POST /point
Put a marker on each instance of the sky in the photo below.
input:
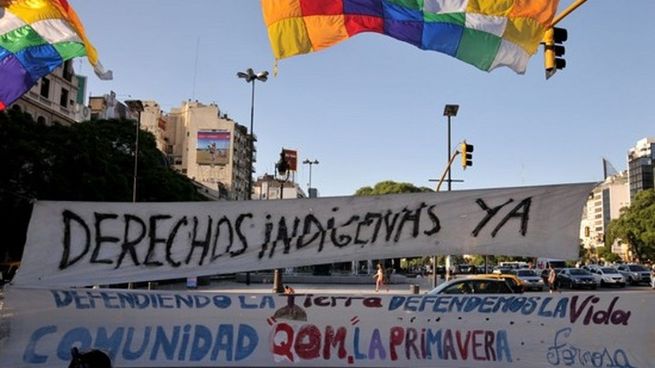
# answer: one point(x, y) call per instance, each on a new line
point(371, 108)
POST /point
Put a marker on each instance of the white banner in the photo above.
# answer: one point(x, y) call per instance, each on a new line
point(84, 243)
point(200, 329)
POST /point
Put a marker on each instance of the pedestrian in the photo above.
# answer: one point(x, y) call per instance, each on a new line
point(552, 279)
point(288, 290)
point(379, 278)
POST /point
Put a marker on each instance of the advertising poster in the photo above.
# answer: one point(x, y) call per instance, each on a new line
point(213, 147)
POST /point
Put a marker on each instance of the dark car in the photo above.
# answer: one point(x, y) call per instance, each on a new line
point(467, 269)
point(502, 269)
point(474, 286)
point(576, 278)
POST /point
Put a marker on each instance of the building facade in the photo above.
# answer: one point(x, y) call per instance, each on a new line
point(604, 205)
point(57, 98)
point(209, 148)
point(267, 187)
point(152, 120)
point(640, 166)
point(107, 107)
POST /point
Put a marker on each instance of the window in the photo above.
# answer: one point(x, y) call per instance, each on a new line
point(63, 99)
point(68, 70)
point(45, 87)
point(459, 288)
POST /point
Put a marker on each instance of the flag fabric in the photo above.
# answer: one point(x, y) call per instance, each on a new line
point(485, 33)
point(36, 37)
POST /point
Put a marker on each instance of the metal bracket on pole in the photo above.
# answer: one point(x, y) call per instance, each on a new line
point(450, 163)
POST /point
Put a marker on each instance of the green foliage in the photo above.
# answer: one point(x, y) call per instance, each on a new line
point(390, 187)
point(636, 226)
point(606, 254)
point(586, 255)
point(91, 161)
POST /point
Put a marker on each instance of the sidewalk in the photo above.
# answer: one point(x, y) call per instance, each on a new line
point(266, 288)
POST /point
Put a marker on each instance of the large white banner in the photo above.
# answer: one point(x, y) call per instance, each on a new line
point(196, 329)
point(84, 243)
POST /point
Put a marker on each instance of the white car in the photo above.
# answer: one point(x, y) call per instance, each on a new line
point(608, 276)
point(473, 285)
point(635, 274)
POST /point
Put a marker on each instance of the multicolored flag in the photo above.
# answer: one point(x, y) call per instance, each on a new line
point(37, 36)
point(485, 33)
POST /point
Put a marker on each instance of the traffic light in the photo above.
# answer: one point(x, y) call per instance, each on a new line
point(553, 50)
point(467, 154)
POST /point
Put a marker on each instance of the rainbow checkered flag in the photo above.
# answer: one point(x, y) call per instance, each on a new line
point(484, 33)
point(37, 36)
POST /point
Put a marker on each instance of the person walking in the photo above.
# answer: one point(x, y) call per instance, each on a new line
point(552, 279)
point(379, 278)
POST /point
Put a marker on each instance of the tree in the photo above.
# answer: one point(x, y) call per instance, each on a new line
point(390, 187)
point(636, 226)
point(607, 255)
point(90, 161)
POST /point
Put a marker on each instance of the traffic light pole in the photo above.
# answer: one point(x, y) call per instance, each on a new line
point(447, 171)
point(567, 11)
point(441, 180)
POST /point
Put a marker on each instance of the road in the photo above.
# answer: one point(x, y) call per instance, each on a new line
point(359, 289)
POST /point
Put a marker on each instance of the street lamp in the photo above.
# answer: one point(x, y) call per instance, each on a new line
point(309, 185)
point(281, 175)
point(135, 105)
point(449, 111)
point(250, 77)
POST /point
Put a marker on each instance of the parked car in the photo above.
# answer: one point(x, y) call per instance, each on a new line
point(502, 270)
point(607, 276)
point(514, 282)
point(473, 285)
point(467, 269)
point(635, 274)
point(574, 278)
point(530, 279)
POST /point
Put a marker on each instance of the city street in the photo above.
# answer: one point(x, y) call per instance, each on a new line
point(358, 289)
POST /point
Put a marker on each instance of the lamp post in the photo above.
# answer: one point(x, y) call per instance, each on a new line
point(250, 77)
point(309, 185)
point(135, 105)
point(281, 175)
point(449, 111)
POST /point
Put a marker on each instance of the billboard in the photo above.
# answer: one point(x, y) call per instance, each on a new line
point(291, 156)
point(213, 147)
